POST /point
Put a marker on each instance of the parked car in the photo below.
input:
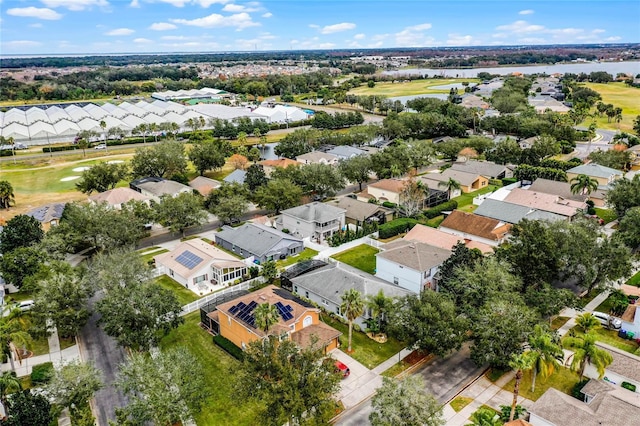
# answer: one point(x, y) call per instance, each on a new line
point(342, 369)
point(608, 321)
point(25, 305)
point(100, 146)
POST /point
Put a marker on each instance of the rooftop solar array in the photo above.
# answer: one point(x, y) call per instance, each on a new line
point(284, 311)
point(188, 259)
point(244, 312)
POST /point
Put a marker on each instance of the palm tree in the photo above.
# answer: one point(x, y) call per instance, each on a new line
point(103, 126)
point(13, 333)
point(587, 322)
point(583, 184)
point(11, 141)
point(586, 352)
point(352, 307)
point(451, 185)
point(546, 353)
point(266, 315)
point(380, 305)
point(485, 417)
point(153, 128)
point(9, 383)
point(6, 194)
point(520, 363)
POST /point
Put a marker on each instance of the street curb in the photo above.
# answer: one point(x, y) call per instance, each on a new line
point(471, 382)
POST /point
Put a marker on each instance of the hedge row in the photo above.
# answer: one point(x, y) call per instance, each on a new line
point(389, 204)
point(508, 181)
point(395, 227)
point(59, 148)
point(437, 210)
point(6, 153)
point(228, 346)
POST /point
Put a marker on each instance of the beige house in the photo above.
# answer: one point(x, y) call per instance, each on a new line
point(318, 157)
point(545, 202)
point(204, 185)
point(116, 197)
point(384, 190)
point(604, 175)
point(270, 165)
point(469, 182)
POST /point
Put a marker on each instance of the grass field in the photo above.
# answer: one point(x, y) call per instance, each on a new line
point(620, 95)
point(307, 253)
point(414, 87)
point(362, 257)
point(610, 337)
point(222, 407)
point(459, 402)
point(467, 199)
point(562, 379)
point(635, 280)
point(183, 295)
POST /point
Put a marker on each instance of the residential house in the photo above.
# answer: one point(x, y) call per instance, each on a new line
point(563, 190)
point(317, 221)
point(410, 265)
point(298, 320)
point(358, 211)
point(195, 263)
point(604, 175)
point(48, 215)
point(270, 165)
point(624, 368)
point(155, 187)
point(469, 181)
point(204, 185)
point(258, 241)
point(318, 157)
point(435, 237)
point(441, 139)
point(634, 151)
point(488, 169)
point(474, 101)
point(345, 152)
point(513, 213)
point(116, 197)
point(542, 104)
point(546, 202)
point(607, 406)
point(473, 227)
point(528, 142)
point(325, 287)
point(486, 88)
point(631, 316)
point(384, 190)
point(236, 176)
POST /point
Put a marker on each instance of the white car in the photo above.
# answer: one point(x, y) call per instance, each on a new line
point(25, 305)
point(608, 321)
point(100, 146)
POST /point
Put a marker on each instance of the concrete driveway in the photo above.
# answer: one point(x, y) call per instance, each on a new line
point(360, 384)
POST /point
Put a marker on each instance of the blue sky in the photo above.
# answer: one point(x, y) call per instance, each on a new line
point(108, 26)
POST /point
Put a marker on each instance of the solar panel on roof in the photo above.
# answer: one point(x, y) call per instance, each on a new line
point(234, 309)
point(188, 259)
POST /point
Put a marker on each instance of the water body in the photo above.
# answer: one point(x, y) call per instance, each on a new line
point(404, 99)
point(632, 67)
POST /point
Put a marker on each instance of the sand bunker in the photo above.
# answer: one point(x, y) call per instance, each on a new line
point(115, 162)
point(68, 178)
point(81, 169)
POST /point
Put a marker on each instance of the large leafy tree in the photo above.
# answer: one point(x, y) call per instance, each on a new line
point(352, 307)
point(461, 256)
point(165, 159)
point(230, 208)
point(505, 152)
point(629, 228)
point(546, 353)
point(7, 196)
point(611, 158)
point(429, 322)
point(624, 195)
point(207, 155)
point(278, 194)
point(292, 384)
point(180, 212)
point(322, 179)
point(73, 385)
point(19, 265)
point(102, 177)
point(28, 409)
point(163, 389)
point(586, 352)
point(20, 231)
point(406, 403)
point(393, 161)
point(357, 169)
point(255, 177)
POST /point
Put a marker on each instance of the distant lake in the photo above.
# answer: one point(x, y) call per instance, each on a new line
point(614, 68)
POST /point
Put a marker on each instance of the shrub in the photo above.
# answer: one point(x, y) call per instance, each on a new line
point(576, 392)
point(389, 204)
point(628, 386)
point(285, 230)
point(437, 210)
point(228, 346)
point(42, 373)
point(59, 148)
point(497, 182)
point(395, 227)
point(508, 181)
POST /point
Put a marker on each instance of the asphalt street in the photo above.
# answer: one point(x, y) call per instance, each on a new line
point(443, 377)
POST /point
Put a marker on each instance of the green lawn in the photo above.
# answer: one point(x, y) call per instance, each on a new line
point(146, 258)
point(67, 342)
point(635, 280)
point(184, 295)
point(606, 214)
point(620, 95)
point(365, 350)
point(605, 306)
point(459, 402)
point(222, 407)
point(466, 199)
point(435, 222)
point(414, 87)
point(307, 253)
point(362, 257)
point(562, 379)
point(610, 337)
point(558, 322)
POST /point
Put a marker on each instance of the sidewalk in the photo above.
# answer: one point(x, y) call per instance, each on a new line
point(55, 355)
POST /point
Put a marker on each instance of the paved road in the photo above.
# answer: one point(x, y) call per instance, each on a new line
point(444, 378)
point(106, 355)
point(603, 144)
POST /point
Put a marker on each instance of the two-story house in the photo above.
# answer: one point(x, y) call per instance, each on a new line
point(261, 242)
point(317, 221)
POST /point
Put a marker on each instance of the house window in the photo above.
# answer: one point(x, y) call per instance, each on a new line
point(200, 279)
point(325, 302)
point(307, 321)
point(171, 272)
point(306, 294)
point(338, 310)
point(395, 280)
point(484, 183)
point(295, 288)
point(427, 273)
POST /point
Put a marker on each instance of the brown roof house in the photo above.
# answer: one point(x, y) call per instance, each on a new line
point(204, 185)
point(298, 321)
point(469, 181)
point(116, 197)
point(410, 265)
point(435, 237)
point(473, 227)
point(270, 165)
point(384, 190)
point(359, 211)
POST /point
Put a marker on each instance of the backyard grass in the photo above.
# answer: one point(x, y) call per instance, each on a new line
point(634, 280)
point(606, 214)
point(435, 222)
point(307, 253)
point(466, 199)
point(459, 402)
point(184, 296)
point(610, 337)
point(558, 322)
point(362, 257)
point(146, 258)
point(606, 305)
point(222, 407)
point(365, 350)
point(620, 95)
point(562, 379)
point(414, 87)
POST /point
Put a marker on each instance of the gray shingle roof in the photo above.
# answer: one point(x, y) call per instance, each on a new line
point(595, 170)
point(236, 176)
point(255, 238)
point(345, 151)
point(359, 210)
point(512, 213)
point(315, 212)
point(417, 256)
point(331, 281)
point(483, 168)
point(625, 364)
point(562, 189)
point(48, 212)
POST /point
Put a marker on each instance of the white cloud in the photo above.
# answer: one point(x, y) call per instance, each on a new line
point(207, 3)
point(598, 31)
point(326, 46)
point(36, 25)
point(75, 5)
point(237, 8)
point(120, 32)
point(614, 38)
point(142, 40)
point(414, 36)
point(336, 28)
point(19, 44)
point(315, 26)
point(35, 12)
point(267, 36)
point(359, 36)
point(267, 15)
point(239, 20)
point(520, 27)
point(526, 12)
point(135, 4)
point(174, 38)
point(162, 26)
point(461, 40)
